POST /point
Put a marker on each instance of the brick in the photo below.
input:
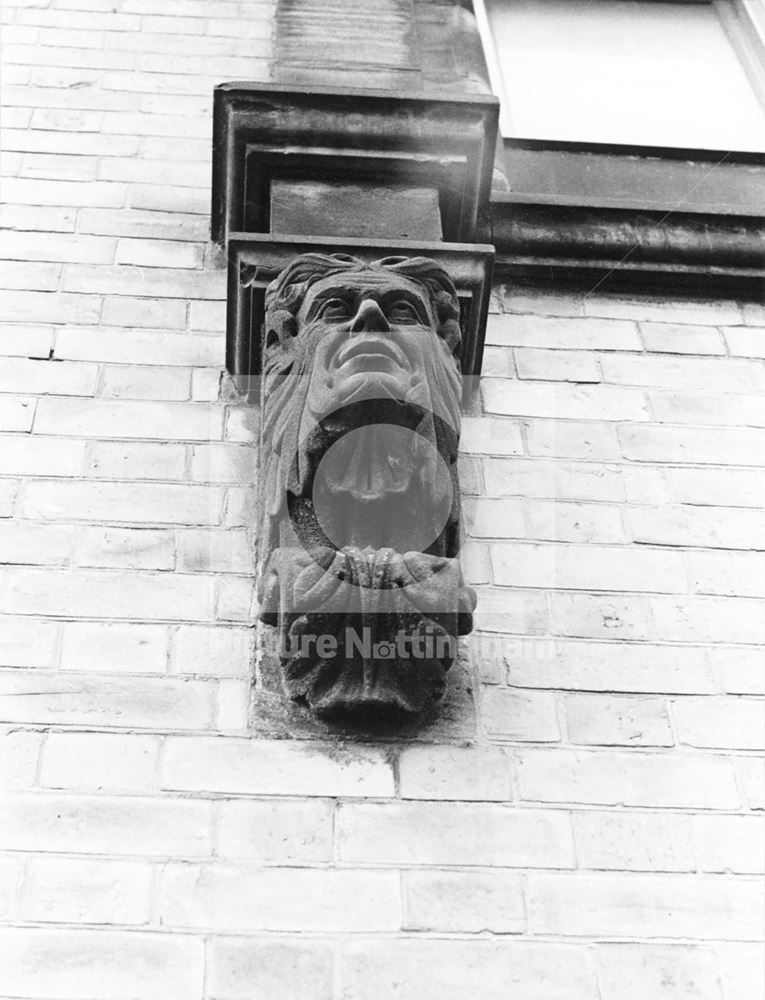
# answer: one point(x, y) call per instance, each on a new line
point(631, 779)
point(485, 517)
point(646, 905)
point(566, 402)
point(137, 503)
point(57, 247)
point(126, 310)
point(147, 225)
point(69, 143)
point(11, 873)
point(742, 970)
point(485, 436)
point(644, 484)
point(26, 642)
point(702, 408)
point(111, 965)
point(745, 343)
point(632, 841)
point(280, 831)
point(693, 445)
point(719, 487)
point(26, 341)
point(725, 375)
point(233, 714)
point(242, 424)
point(464, 901)
point(243, 968)
point(732, 723)
point(563, 366)
point(8, 493)
point(667, 972)
point(236, 600)
point(118, 460)
point(210, 551)
point(158, 253)
point(167, 282)
point(432, 969)
point(74, 194)
point(205, 385)
point(617, 720)
point(571, 439)
point(601, 616)
point(730, 843)
point(676, 338)
point(136, 702)
point(49, 307)
point(713, 527)
point(99, 761)
point(16, 414)
point(125, 825)
point(563, 333)
point(78, 891)
point(215, 651)
point(125, 548)
point(30, 276)
point(287, 899)
point(576, 665)
point(727, 573)
point(520, 715)
point(128, 419)
point(62, 378)
point(562, 521)
point(740, 669)
point(265, 767)
point(511, 611)
point(65, 167)
point(550, 480)
point(22, 543)
point(207, 316)
point(151, 346)
point(148, 171)
point(447, 833)
point(454, 773)
point(709, 619)
point(19, 754)
point(713, 312)
point(145, 382)
point(110, 648)
point(579, 567)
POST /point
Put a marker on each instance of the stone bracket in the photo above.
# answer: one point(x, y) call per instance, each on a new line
point(255, 259)
point(266, 133)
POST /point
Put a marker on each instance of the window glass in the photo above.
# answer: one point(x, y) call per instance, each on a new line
point(634, 72)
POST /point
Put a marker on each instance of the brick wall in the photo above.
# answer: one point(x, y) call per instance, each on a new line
point(601, 837)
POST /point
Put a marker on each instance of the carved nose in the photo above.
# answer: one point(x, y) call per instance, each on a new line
point(369, 319)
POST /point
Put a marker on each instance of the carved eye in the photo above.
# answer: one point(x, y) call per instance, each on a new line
point(402, 311)
point(335, 309)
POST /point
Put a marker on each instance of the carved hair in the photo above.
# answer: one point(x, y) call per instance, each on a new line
point(287, 291)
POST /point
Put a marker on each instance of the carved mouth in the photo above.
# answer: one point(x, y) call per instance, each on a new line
point(370, 354)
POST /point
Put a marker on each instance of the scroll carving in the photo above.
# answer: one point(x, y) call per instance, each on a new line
point(360, 498)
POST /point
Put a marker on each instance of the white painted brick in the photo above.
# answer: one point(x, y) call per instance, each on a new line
point(162, 224)
point(49, 307)
point(118, 460)
point(742, 970)
point(464, 902)
point(57, 247)
point(215, 651)
point(145, 382)
point(720, 487)
point(243, 424)
point(571, 439)
point(62, 378)
point(16, 414)
point(223, 463)
point(712, 527)
point(422, 968)
point(279, 899)
point(740, 669)
point(124, 548)
point(498, 361)
point(511, 611)
point(704, 408)
point(709, 619)
point(78, 891)
point(580, 567)
point(730, 843)
point(32, 277)
point(163, 282)
point(633, 841)
point(448, 833)
point(564, 480)
point(27, 642)
point(563, 401)
point(137, 503)
point(159, 253)
point(11, 872)
point(575, 665)
point(99, 761)
point(243, 968)
point(525, 716)
point(280, 831)
point(74, 194)
point(149, 346)
point(486, 517)
point(122, 310)
point(564, 366)
point(128, 419)
point(25, 341)
point(205, 385)
point(110, 965)
point(601, 616)
point(67, 142)
point(461, 773)
point(567, 333)
point(644, 484)
point(23, 543)
point(727, 573)
point(233, 706)
point(630, 779)
point(746, 343)
point(617, 720)
point(693, 445)
point(713, 312)
point(265, 767)
point(215, 551)
point(645, 905)
point(19, 753)
point(84, 824)
point(41, 456)
point(484, 436)
point(9, 490)
point(676, 338)
point(114, 648)
point(724, 375)
point(667, 972)
point(562, 521)
point(236, 600)
point(732, 723)
point(208, 316)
